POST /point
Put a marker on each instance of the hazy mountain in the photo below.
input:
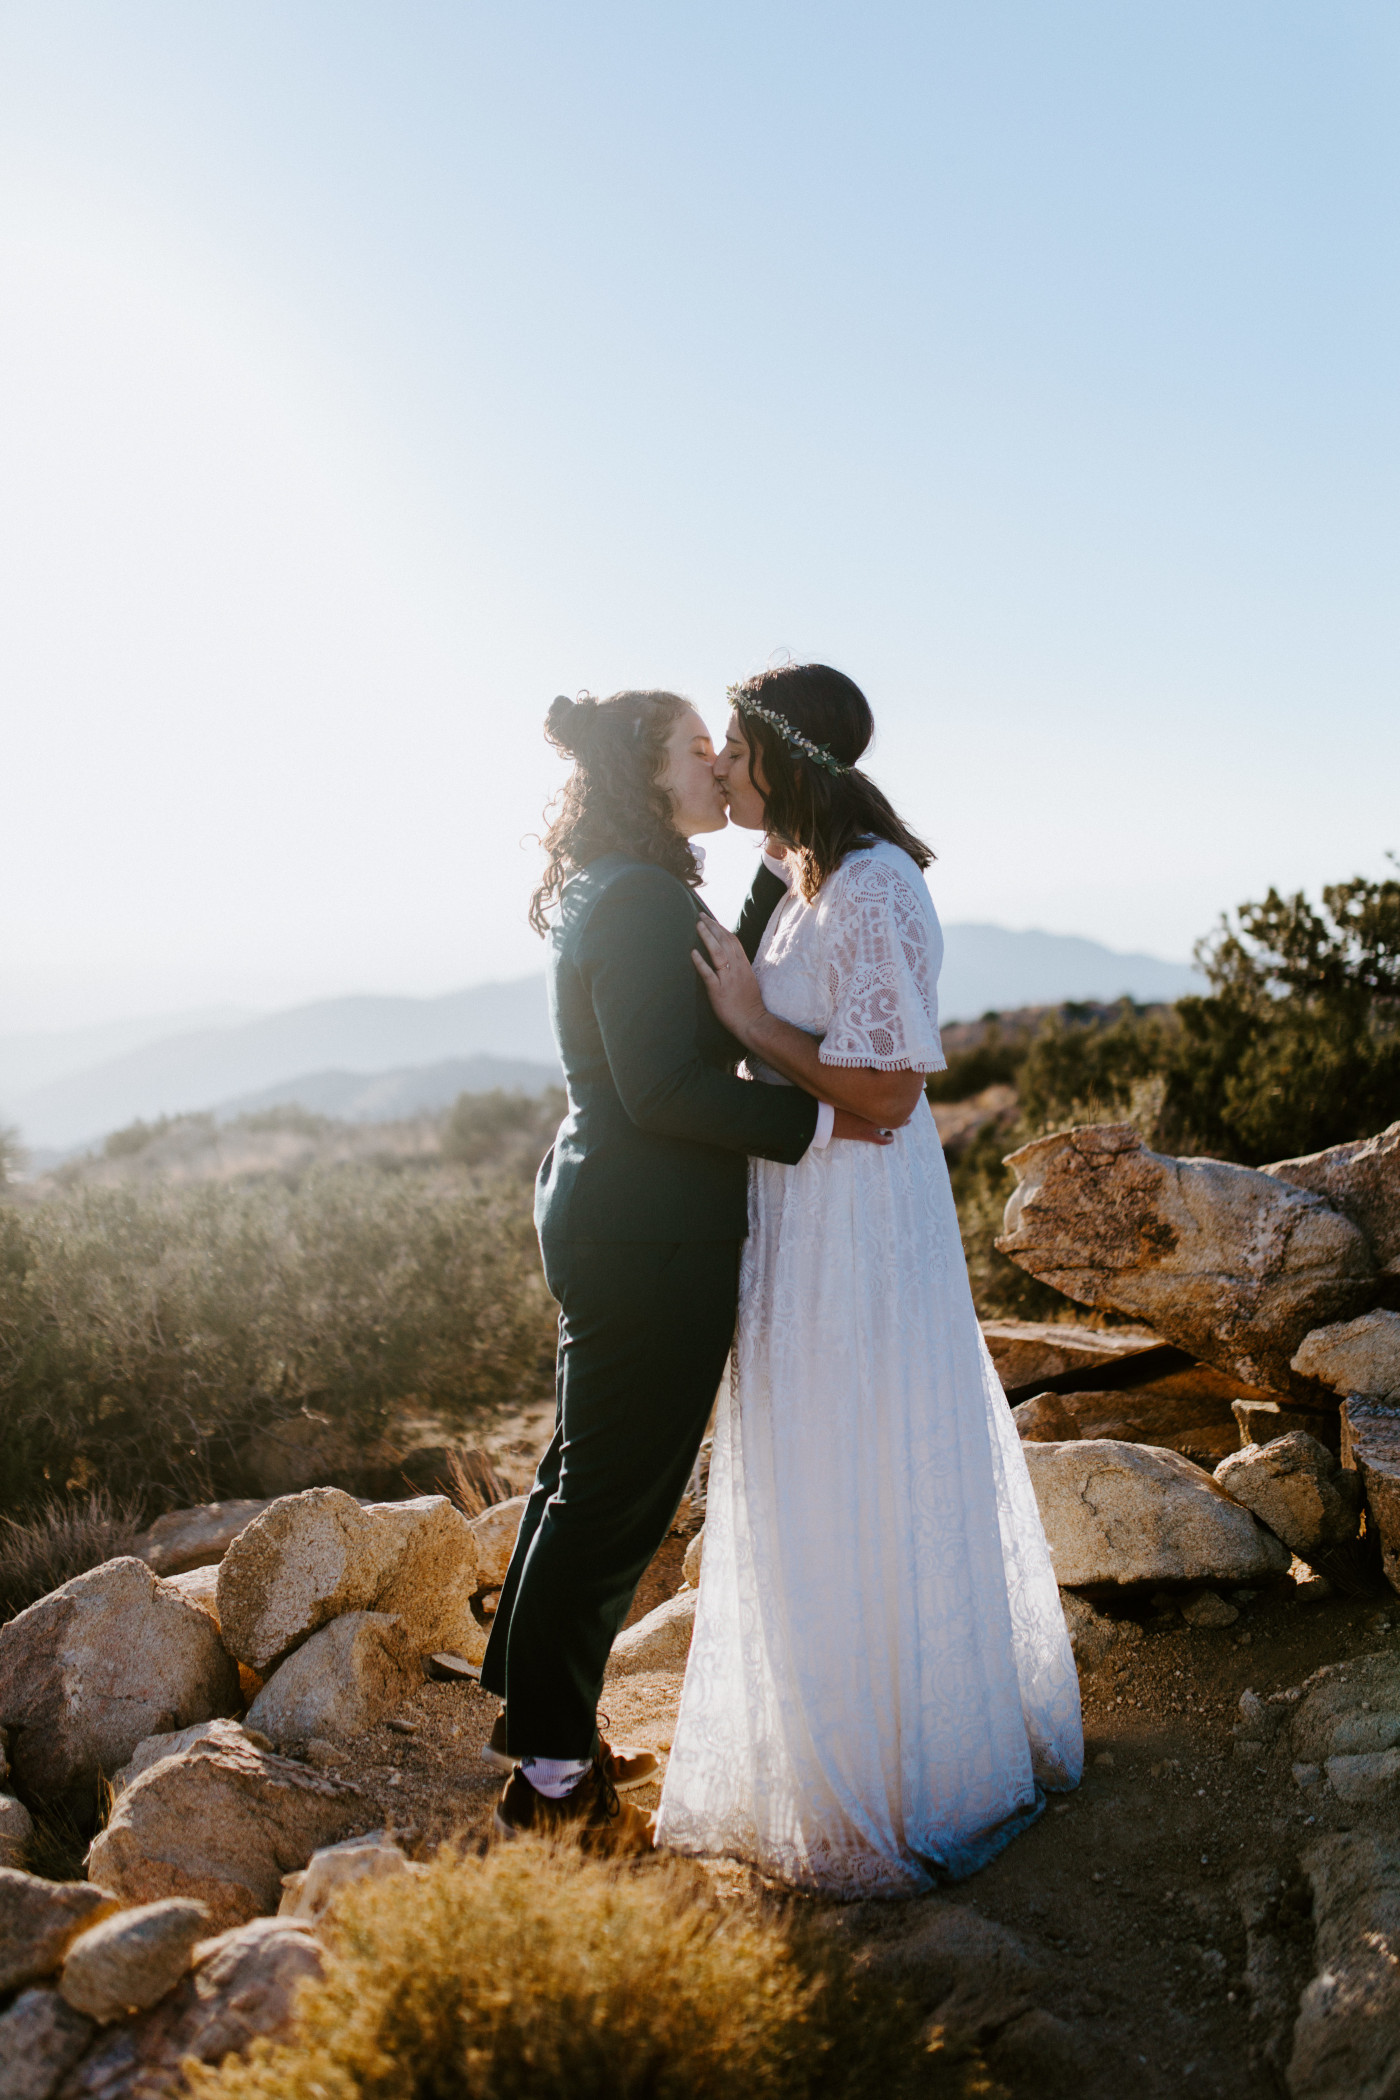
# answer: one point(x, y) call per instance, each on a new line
point(986, 967)
point(412, 1090)
point(39, 1057)
point(342, 1050)
point(359, 1035)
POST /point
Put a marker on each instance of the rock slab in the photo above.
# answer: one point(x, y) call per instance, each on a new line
point(1027, 1351)
point(1191, 1412)
point(1346, 2042)
point(1371, 1449)
point(1234, 1265)
point(220, 1824)
point(1125, 1513)
point(346, 1677)
point(128, 1962)
point(195, 1538)
point(313, 1556)
point(1296, 1487)
point(39, 1918)
point(114, 1655)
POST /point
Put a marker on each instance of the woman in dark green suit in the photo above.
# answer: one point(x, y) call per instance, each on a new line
point(641, 1206)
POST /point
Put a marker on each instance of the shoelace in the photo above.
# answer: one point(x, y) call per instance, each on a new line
point(607, 1792)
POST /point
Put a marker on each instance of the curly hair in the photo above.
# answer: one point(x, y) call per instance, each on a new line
point(822, 815)
point(613, 801)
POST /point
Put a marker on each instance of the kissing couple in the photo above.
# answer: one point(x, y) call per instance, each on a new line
point(880, 1685)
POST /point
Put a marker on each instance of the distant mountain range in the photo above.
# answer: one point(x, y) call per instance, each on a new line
point(410, 1090)
point(374, 1058)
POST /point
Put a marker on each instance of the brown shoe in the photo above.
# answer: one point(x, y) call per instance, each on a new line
point(590, 1815)
point(626, 1765)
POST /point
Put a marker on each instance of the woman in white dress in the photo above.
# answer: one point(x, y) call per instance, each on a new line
point(880, 1686)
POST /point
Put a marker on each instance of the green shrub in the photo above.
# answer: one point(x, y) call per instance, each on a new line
point(1295, 1047)
point(61, 1540)
point(145, 1332)
point(994, 1061)
point(532, 1974)
point(1298, 1044)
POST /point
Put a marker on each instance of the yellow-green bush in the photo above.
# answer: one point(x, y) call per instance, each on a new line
point(534, 1973)
point(146, 1332)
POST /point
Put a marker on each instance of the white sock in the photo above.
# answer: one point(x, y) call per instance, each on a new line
point(554, 1776)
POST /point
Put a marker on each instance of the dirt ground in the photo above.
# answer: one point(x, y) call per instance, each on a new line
point(1121, 1893)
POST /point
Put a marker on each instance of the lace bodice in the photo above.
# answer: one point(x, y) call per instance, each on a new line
point(859, 966)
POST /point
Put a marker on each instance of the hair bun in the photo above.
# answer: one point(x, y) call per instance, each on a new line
point(567, 721)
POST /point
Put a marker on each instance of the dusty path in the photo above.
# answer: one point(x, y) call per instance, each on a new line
point(1121, 1893)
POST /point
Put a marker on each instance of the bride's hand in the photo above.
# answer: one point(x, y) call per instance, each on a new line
point(729, 979)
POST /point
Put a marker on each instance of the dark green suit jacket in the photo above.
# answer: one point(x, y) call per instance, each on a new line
point(658, 1132)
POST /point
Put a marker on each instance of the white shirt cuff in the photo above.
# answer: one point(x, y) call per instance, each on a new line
point(826, 1121)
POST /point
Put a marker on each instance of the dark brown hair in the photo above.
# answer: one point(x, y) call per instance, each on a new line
point(613, 801)
point(823, 815)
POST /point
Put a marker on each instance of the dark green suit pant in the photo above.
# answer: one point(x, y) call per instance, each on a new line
point(644, 1330)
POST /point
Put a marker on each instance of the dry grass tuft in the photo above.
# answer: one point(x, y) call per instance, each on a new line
point(534, 1972)
point(65, 1539)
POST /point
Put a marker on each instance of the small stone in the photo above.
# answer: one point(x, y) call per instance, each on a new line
point(1208, 1610)
point(446, 1667)
point(242, 1987)
point(41, 2039)
point(39, 1918)
point(1296, 1487)
point(660, 1641)
point(334, 1867)
point(1365, 1780)
point(1355, 1356)
point(16, 1830)
point(221, 1823)
point(153, 1748)
point(195, 1538)
point(110, 1657)
point(343, 1680)
point(1305, 1775)
point(495, 1533)
point(1309, 1586)
point(694, 1556)
point(312, 1557)
point(1126, 1513)
point(130, 1961)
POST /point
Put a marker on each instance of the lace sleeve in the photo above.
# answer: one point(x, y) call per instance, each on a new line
point(882, 950)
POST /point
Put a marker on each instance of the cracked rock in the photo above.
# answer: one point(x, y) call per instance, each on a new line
point(1234, 1265)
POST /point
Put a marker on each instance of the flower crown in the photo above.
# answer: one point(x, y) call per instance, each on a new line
point(739, 696)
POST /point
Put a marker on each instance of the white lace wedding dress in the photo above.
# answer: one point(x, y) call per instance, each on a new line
point(880, 1683)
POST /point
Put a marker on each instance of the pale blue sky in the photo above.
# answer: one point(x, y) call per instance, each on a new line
point(368, 374)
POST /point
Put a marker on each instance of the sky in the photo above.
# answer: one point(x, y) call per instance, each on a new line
point(370, 374)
